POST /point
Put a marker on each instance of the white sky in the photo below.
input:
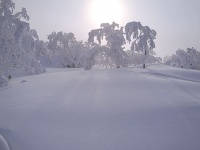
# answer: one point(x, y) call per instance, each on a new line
point(177, 22)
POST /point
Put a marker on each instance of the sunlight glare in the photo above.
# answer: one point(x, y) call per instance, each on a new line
point(106, 11)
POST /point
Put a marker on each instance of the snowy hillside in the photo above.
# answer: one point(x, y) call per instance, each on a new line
point(157, 108)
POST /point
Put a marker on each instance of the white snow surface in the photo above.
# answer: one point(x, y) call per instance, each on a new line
point(157, 108)
point(3, 143)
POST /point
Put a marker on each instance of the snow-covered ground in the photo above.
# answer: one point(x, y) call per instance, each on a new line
point(122, 109)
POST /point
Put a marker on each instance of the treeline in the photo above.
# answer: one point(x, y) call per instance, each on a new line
point(189, 59)
point(21, 48)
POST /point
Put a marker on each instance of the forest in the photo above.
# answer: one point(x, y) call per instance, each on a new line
point(21, 47)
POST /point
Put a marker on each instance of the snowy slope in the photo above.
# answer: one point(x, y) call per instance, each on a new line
point(124, 109)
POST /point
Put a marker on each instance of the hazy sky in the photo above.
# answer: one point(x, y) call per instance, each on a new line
point(177, 22)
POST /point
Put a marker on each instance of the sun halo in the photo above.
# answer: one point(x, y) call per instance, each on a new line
point(106, 11)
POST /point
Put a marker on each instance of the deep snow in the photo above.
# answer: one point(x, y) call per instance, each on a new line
point(122, 109)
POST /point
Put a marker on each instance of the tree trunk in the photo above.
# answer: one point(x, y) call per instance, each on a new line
point(145, 53)
point(143, 66)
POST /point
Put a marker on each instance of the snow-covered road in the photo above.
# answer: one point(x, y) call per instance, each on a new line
point(123, 109)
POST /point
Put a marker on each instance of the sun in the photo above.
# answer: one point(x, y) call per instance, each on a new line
point(106, 11)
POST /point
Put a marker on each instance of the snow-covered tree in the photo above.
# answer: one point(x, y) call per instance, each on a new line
point(6, 8)
point(142, 45)
point(77, 53)
point(96, 54)
point(42, 52)
point(115, 40)
point(29, 49)
point(59, 44)
point(13, 52)
point(136, 58)
point(89, 56)
point(143, 39)
point(66, 51)
point(189, 59)
point(166, 59)
point(7, 44)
